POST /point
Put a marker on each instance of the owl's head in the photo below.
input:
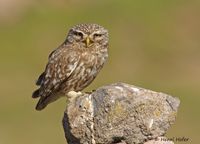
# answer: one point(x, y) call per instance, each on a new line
point(88, 34)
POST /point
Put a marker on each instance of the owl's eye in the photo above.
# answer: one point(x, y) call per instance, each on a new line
point(80, 34)
point(97, 35)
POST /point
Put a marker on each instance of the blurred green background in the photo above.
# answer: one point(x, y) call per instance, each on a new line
point(153, 44)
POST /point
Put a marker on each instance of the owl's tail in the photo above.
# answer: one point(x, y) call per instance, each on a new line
point(42, 103)
point(45, 100)
point(36, 93)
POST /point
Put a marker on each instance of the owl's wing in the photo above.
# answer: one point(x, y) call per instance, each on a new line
point(42, 75)
point(40, 79)
point(61, 64)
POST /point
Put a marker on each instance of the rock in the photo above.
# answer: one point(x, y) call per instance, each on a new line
point(119, 113)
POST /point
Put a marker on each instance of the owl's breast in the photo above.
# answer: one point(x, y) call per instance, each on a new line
point(93, 59)
point(88, 66)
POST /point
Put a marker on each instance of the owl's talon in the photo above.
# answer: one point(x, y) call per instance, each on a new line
point(72, 94)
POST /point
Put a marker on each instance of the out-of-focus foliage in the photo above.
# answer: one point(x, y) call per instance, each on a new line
point(153, 44)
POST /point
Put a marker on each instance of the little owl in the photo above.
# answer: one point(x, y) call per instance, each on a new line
point(74, 64)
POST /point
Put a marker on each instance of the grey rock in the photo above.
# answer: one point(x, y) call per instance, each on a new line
point(119, 113)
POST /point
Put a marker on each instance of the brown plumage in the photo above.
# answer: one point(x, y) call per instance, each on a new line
point(74, 64)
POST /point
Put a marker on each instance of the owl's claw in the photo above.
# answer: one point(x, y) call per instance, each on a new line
point(74, 94)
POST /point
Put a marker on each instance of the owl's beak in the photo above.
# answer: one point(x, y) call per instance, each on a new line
point(88, 41)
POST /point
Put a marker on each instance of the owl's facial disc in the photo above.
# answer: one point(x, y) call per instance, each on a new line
point(88, 35)
point(80, 36)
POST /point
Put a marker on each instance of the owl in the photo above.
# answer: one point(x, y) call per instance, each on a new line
point(74, 64)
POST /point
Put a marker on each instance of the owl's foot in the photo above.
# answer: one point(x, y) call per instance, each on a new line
point(74, 94)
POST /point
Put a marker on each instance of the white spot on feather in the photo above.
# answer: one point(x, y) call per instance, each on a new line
point(48, 74)
point(59, 70)
point(60, 75)
point(54, 81)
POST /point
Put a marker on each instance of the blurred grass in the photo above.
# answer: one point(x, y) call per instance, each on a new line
point(153, 44)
